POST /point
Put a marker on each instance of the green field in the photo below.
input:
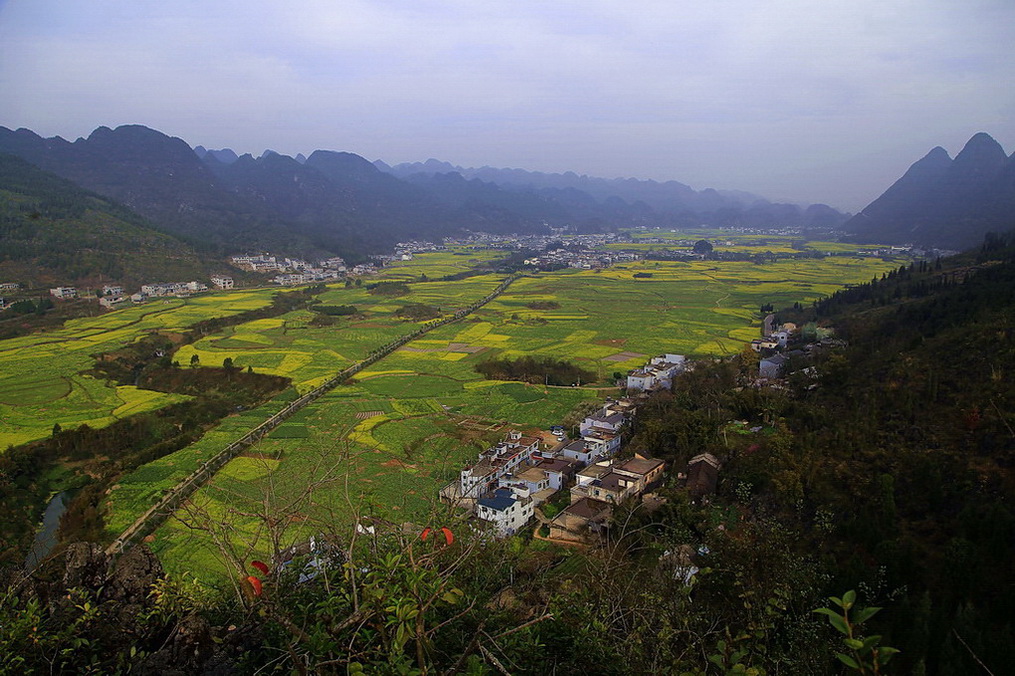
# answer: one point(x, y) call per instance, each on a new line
point(408, 423)
point(728, 241)
point(440, 264)
point(40, 375)
point(291, 346)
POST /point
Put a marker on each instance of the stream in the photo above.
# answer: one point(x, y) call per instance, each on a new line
point(45, 538)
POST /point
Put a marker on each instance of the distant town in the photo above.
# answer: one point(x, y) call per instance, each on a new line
point(560, 249)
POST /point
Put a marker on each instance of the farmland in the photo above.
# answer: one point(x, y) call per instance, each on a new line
point(405, 426)
point(41, 379)
point(441, 264)
point(730, 241)
point(294, 347)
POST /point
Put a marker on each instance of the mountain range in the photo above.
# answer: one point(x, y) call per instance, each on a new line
point(219, 202)
point(341, 203)
point(944, 202)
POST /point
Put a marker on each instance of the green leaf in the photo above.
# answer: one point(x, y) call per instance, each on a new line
point(826, 611)
point(864, 614)
point(848, 599)
point(852, 643)
point(848, 661)
point(885, 653)
point(871, 641)
point(839, 624)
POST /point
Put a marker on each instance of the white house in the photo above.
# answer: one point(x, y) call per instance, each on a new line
point(494, 463)
point(64, 292)
point(508, 509)
point(604, 420)
point(612, 481)
point(222, 281)
point(601, 443)
point(588, 450)
point(532, 479)
point(558, 471)
point(658, 373)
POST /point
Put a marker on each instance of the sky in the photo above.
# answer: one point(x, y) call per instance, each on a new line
point(799, 100)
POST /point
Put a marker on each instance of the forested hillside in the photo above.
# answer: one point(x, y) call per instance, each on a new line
point(53, 232)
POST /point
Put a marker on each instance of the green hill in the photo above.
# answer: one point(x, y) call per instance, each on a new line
point(53, 232)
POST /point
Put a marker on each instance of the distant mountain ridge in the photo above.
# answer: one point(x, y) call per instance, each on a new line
point(671, 198)
point(338, 202)
point(945, 202)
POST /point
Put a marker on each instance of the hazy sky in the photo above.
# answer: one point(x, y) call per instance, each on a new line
point(809, 100)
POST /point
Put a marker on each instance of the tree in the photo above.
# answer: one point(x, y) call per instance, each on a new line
point(227, 363)
point(195, 361)
point(702, 246)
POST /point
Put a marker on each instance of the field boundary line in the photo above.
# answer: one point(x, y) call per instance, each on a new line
point(176, 495)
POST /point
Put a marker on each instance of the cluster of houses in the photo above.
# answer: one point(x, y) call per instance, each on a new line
point(308, 276)
point(268, 263)
point(581, 260)
point(657, 374)
point(418, 246)
point(163, 289)
point(510, 480)
point(112, 295)
point(295, 271)
point(773, 347)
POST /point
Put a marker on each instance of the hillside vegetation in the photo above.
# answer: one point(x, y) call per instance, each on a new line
point(55, 233)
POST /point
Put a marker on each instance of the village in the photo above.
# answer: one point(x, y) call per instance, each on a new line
point(510, 483)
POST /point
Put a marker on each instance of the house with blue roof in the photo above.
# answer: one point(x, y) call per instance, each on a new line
point(508, 509)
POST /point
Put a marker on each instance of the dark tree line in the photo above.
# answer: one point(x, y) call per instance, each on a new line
point(544, 370)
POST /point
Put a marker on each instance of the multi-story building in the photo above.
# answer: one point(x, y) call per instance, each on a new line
point(492, 464)
point(508, 509)
point(657, 374)
point(64, 292)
